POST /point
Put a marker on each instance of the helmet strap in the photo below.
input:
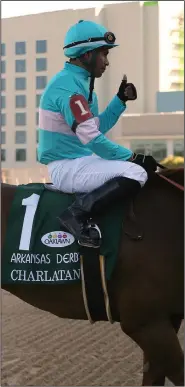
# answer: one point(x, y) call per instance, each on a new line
point(90, 66)
point(91, 88)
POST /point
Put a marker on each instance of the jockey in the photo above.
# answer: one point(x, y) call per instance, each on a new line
point(72, 141)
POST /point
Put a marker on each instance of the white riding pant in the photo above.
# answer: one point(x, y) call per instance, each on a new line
point(87, 173)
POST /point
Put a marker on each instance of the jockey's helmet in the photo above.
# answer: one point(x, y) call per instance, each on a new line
point(86, 36)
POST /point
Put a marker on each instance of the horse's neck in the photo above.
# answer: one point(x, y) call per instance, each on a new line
point(176, 175)
point(158, 188)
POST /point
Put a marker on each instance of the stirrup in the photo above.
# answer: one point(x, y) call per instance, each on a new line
point(88, 245)
point(91, 224)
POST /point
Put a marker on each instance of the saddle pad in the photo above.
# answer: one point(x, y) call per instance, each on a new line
point(37, 250)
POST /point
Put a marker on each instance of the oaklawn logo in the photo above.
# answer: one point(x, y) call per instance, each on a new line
point(57, 239)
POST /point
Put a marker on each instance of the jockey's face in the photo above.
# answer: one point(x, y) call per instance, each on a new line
point(101, 60)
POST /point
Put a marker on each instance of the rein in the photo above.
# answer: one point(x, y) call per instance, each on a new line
point(179, 186)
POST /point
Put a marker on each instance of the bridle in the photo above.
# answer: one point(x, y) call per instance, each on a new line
point(177, 185)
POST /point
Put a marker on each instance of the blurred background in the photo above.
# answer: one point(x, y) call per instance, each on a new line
point(150, 35)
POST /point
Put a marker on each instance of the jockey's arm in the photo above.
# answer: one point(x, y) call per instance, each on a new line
point(87, 130)
point(102, 146)
point(111, 114)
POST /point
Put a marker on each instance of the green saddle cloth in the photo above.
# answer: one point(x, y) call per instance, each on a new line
point(37, 250)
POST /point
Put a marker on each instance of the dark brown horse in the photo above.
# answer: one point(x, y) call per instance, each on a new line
point(147, 287)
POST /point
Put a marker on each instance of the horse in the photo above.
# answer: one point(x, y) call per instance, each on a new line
point(146, 288)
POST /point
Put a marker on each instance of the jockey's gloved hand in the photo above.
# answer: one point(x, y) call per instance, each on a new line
point(127, 91)
point(146, 161)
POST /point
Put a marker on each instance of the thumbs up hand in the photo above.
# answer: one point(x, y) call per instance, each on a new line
point(127, 91)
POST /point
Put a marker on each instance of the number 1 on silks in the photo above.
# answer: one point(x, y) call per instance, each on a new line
point(80, 108)
point(31, 204)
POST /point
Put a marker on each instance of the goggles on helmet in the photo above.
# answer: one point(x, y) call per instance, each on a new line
point(108, 37)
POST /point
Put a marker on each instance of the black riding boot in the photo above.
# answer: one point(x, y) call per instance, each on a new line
point(75, 218)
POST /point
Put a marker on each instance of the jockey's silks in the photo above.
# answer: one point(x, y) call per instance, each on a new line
point(57, 140)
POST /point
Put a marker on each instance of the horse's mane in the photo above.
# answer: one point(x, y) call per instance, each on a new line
point(175, 174)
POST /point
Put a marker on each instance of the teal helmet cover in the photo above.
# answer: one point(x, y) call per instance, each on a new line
point(80, 37)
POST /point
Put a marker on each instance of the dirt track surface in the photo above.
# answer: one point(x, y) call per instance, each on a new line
point(39, 349)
